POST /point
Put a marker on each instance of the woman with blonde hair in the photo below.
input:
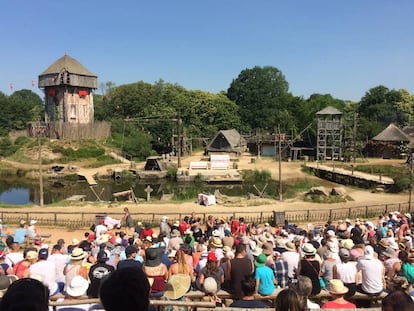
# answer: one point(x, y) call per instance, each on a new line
point(75, 267)
point(181, 266)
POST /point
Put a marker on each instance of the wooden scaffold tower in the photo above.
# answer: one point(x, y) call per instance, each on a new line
point(329, 138)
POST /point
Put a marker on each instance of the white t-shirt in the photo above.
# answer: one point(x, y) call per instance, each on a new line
point(292, 259)
point(346, 272)
point(372, 272)
point(44, 271)
point(60, 261)
point(12, 258)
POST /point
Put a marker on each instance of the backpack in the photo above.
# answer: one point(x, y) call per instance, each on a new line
point(408, 270)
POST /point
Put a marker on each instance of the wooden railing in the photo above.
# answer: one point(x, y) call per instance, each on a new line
point(78, 220)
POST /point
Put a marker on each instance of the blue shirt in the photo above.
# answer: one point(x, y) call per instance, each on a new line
point(265, 276)
point(20, 235)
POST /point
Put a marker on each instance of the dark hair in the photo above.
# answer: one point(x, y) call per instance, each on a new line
point(403, 256)
point(240, 248)
point(125, 289)
point(289, 300)
point(397, 301)
point(188, 239)
point(26, 295)
point(248, 285)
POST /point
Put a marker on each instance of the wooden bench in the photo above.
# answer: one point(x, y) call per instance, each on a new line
point(160, 303)
point(324, 294)
point(198, 165)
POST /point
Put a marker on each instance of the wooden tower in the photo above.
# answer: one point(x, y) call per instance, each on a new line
point(68, 88)
point(329, 138)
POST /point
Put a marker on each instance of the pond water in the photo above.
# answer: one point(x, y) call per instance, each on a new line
point(18, 191)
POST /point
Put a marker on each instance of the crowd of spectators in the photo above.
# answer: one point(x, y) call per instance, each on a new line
point(247, 260)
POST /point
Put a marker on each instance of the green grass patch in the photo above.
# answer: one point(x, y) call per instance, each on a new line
point(256, 175)
point(291, 190)
point(186, 194)
point(103, 160)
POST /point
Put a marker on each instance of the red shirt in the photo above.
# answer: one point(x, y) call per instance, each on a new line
point(146, 232)
point(335, 305)
point(235, 227)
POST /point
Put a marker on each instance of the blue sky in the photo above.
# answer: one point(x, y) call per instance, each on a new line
point(343, 48)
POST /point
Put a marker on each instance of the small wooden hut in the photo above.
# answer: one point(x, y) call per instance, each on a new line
point(227, 141)
point(392, 142)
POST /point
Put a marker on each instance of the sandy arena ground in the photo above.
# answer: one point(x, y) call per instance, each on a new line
point(290, 171)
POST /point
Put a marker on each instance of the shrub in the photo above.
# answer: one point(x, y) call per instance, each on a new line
point(172, 172)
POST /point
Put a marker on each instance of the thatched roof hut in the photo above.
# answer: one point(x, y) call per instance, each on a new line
point(392, 134)
point(228, 141)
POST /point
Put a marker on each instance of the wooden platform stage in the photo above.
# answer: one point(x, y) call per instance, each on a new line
point(347, 177)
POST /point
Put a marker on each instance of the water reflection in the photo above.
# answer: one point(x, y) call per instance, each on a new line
point(21, 192)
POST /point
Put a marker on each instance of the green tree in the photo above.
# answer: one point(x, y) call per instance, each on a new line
point(405, 106)
point(377, 109)
point(20, 108)
point(262, 96)
point(203, 113)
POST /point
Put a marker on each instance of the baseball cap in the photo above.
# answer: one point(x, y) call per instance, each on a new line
point(43, 253)
point(211, 256)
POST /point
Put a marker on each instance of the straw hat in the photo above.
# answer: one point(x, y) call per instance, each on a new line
point(347, 243)
point(389, 252)
point(267, 248)
point(216, 233)
point(337, 287)
point(226, 249)
point(216, 242)
point(280, 243)
point(177, 286)
point(256, 251)
point(290, 247)
point(31, 255)
point(175, 233)
point(330, 233)
point(77, 254)
point(384, 243)
point(308, 249)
